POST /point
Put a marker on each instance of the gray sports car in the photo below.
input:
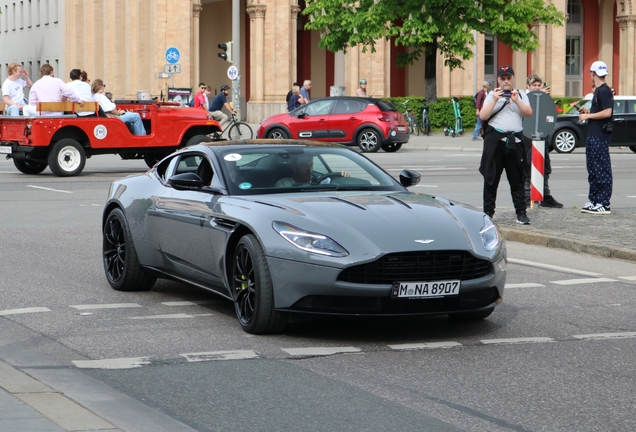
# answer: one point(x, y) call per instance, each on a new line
point(286, 227)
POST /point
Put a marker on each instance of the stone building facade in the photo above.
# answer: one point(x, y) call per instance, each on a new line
point(124, 42)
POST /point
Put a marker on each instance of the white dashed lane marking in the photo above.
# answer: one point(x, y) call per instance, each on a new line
point(524, 285)
point(552, 267)
point(49, 189)
point(168, 316)
point(23, 311)
point(620, 335)
point(318, 351)
point(630, 278)
point(118, 363)
point(582, 281)
point(107, 306)
point(419, 346)
point(517, 340)
point(220, 355)
point(188, 303)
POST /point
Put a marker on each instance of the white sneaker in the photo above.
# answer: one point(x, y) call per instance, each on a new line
point(598, 209)
point(588, 205)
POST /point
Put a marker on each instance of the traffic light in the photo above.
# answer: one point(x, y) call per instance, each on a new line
point(227, 51)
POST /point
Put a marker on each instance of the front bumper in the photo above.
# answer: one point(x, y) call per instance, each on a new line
point(306, 288)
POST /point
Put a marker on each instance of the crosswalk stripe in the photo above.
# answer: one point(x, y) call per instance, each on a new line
point(618, 335)
point(107, 306)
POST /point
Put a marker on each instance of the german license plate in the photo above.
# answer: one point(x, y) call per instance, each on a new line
point(5, 150)
point(401, 128)
point(419, 290)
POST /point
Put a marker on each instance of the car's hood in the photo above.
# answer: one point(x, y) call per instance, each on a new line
point(374, 222)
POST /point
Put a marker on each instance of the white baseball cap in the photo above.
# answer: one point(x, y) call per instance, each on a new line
point(599, 67)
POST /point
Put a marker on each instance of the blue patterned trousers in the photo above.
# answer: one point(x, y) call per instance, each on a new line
point(599, 169)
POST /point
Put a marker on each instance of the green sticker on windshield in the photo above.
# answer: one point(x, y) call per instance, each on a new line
point(245, 185)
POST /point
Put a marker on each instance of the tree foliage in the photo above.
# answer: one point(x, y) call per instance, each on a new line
point(428, 25)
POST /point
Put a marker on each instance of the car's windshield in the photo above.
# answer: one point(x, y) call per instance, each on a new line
point(282, 169)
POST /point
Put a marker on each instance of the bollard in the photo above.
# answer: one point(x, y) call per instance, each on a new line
point(536, 175)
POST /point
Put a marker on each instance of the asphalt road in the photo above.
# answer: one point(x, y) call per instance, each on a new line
point(557, 354)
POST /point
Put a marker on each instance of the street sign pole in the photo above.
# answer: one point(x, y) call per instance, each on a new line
point(236, 55)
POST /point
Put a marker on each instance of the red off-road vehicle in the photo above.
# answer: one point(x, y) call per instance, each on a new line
point(64, 142)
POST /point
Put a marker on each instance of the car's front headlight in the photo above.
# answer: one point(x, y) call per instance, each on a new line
point(490, 236)
point(308, 241)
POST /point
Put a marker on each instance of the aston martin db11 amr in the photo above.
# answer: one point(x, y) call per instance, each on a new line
point(284, 227)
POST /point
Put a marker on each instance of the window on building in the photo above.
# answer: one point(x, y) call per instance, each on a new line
point(573, 55)
point(490, 54)
point(38, 3)
point(55, 11)
point(29, 14)
point(6, 18)
point(21, 15)
point(46, 12)
point(574, 12)
point(13, 9)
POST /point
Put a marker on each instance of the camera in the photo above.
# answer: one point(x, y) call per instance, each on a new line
point(507, 93)
point(546, 84)
point(608, 127)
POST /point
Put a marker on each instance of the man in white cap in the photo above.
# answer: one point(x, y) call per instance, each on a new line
point(599, 133)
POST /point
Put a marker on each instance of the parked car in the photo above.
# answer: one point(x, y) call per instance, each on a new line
point(569, 133)
point(366, 122)
point(346, 239)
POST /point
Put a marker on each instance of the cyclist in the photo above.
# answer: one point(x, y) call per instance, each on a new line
point(217, 105)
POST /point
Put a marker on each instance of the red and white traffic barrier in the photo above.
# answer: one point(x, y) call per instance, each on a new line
point(536, 175)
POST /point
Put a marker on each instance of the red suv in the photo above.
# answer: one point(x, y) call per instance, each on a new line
point(366, 122)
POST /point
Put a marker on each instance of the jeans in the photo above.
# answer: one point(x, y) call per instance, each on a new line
point(135, 120)
point(12, 110)
point(477, 128)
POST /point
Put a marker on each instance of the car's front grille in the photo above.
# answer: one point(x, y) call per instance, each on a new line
point(418, 267)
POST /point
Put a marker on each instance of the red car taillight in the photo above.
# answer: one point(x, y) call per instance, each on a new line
point(384, 117)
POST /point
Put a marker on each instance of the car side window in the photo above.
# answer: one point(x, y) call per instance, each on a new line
point(349, 107)
point(619, 107)
point(631, 106)
point(320, 107)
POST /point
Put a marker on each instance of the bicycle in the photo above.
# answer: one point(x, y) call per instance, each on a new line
point(411, 119)
point(426, 122)
point(237, 130)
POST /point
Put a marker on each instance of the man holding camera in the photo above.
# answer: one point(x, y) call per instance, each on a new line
point(502, 114)
point(599, 132)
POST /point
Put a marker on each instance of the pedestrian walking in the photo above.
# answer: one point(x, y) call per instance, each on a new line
point(599, 132)
point(503, 111)
point(304, 90)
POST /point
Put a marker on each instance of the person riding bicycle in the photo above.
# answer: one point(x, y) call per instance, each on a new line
point(217, 105)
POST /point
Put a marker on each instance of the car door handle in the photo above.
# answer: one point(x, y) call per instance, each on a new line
point(322, 121)
point(619, 119)
point(353, 118)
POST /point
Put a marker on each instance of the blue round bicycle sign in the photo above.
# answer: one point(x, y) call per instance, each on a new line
point(173, 55)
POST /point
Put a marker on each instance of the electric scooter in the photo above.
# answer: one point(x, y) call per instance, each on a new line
point(458, 129)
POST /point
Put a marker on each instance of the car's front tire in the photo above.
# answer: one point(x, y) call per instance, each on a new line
point(565, 141)
point(252, 289)
point(392, 147)
point(29, 167)
point(369, 141)
point(67, 158)
point(197, 139)
point(633, 148)
point(121, 263)
point(277, 133)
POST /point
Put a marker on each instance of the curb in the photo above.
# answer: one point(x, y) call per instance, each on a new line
point(567, 243)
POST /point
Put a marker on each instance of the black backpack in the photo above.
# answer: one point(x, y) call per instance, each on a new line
point(475, 99)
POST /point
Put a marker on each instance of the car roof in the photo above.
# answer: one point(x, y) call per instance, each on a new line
point(366, 99)
point(268, 143)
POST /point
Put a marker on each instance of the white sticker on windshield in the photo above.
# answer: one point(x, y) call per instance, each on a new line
point(232, 157)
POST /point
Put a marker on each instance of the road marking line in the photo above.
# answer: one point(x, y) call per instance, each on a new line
point(316, 351)
point(188, 303)
point(524, 285)
point(619, 335)
point(166, 316)
point(220, 355)
point(582, 281)
point(49, 189)
point(23, 310)
point(118, 363)
point(552, 267)
point(516, 340)
point(107, 306)
point(631, 278)
point(427, 186)
point(429, 345)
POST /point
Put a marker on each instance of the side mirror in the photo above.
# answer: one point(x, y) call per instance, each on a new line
point(301, 115)
point(188, 181)
point(409, 178)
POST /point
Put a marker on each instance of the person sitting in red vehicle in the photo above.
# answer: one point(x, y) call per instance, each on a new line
point(49, 89)
point(111, 110)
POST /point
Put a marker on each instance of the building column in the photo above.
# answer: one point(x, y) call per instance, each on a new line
point(196, 15)
point(256, 11)
point(539, 56)
point(627, 54)
point(293, 43)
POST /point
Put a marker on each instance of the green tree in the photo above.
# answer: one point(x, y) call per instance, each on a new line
point(426, 26)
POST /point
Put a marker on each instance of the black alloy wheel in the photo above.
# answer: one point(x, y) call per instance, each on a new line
point(277, 133)
point(369, 141)
point(252, 289)
point(121, 264)
point(392, 147)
